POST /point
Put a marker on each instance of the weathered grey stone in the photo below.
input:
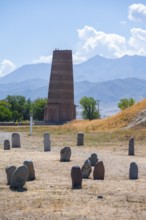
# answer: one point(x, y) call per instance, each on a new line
point(93, 159)
point(86, 169)
point(76, 176)
point(19, 178)
point(133, 171)
point(99, 171)
point(131, 147)
point(80, 139)
point(6, 145)
point(16, 140)
point(65, 154)
point(31, 170)
point(9, 171)
point(47, 142)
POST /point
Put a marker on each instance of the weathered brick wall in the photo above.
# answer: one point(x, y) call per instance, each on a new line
point(60, 107)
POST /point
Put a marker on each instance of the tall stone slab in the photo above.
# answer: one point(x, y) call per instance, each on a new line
point(80, 139)
point(65, 154)
point(86, 169)
point(19, 178)
point(133, 171)
point(9, 171)
point(76, 176)
point(16, 140)
point(31, 170)
point(47, 142)
point(60, 106)
point(99, 171)
point(6, 145)
point(93, 159)
point(131, 147)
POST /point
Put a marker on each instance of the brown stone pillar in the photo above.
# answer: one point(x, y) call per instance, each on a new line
point(60, 107)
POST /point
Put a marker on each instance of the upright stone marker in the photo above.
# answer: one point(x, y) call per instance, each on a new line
point(80, 139)
point(6, 145)
point(86, 169)
point(65, 154)
point(16, 140)
point(9, 171)
point(76, 176)
point(47, 142)
point(131, 147)
point(93, 159)
point(19, 178)
point(99, 171)
point(31, 124)
point(133, 171)
point(31, 170)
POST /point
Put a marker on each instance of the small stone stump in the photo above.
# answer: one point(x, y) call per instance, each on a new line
point(93, 159)
point(19, 178)
point(76, 176)
point(16, 140)
point(65, 154)
point(31, 170)
point(131, 147)
point(9, 171)
point(133, 171)
point(99, 171)
point(86, 169)
point(47, 142)
point(80, 139)
point(6, 145)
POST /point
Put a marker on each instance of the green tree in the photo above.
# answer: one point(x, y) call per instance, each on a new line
point(5, 112)
point(38, 108)
point(18, 107)
point(126, 103)
point(89, 108)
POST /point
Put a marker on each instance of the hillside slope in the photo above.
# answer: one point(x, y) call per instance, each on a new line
point(132, 116)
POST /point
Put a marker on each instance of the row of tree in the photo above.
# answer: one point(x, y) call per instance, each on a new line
point(18, 108)
point(90, 111)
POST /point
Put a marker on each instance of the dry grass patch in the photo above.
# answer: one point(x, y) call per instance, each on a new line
point(50, 196)
point(115, 122)
point(120, 120)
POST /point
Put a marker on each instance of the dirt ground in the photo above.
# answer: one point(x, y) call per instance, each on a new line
point(50, 196)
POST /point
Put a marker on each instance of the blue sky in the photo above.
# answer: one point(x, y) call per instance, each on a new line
point(32, 29)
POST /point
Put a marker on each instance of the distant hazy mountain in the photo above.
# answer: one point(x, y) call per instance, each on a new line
point(100, 69)
point(107, 80)
point(27, 72)
point(109, 92)
point(96, 69)
point(33, 88)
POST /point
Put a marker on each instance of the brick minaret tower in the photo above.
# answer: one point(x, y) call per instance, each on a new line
point(60, 107)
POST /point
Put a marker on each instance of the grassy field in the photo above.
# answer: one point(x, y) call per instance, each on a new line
point(50, 196)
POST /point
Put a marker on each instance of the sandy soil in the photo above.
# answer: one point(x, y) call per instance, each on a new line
point(50, 196)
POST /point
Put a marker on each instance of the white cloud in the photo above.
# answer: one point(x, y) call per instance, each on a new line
point(93, 42)
point(78, 58)
point(6, 67)
point(137, 12)
point(137, 41)
point(43, 59)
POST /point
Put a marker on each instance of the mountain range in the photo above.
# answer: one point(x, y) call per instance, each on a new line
point(107, 80)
